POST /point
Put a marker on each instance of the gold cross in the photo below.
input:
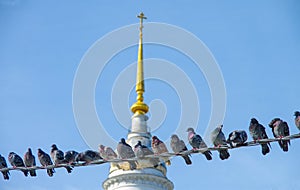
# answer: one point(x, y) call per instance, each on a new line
point(141, 17)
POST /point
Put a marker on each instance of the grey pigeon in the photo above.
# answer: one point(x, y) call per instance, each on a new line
point(237, 138)
point(88, 156)
point(45, 161)
point(280, 129)
point(218, 139)
point(141, 151)
point(125, 151)
point(178, 146)
point(258, 132)
point(29, 161)
point(197, 142)
point(297, 119)
point(58, 157)
point(159, 147)
point(107, 153)
point(16, 161)
point(3, 164)
point(70, 156)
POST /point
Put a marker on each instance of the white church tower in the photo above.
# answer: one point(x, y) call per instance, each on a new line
point(146, 176)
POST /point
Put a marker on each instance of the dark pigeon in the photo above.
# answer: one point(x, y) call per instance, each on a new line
point(125, 151)
point(16, 161)
point(3, 164)
point(218, 139)
point(88, 156)
point(29, 161)
point(159, 147)
point(258, 132)
point(297, 119)
point(107, 153)
point(178, 146)
point(141, 151)
point(70, 156)
point(237, 138)
point(58, 157)
point(45, 161)
point(197, 142)
point(280, 129)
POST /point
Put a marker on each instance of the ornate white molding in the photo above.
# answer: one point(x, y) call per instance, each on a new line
point(138, 181)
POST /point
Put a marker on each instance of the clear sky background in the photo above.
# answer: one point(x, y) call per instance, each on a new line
point(257, 47)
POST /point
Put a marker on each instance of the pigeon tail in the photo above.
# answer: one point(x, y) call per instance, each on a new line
point(187, 160)
point(5, 175)
point(265, 149)
point(132, 165)
point(50, 172)
point(284, 145)
point(207, 154)
point(69, 169)
point(32, 173)
point(224, 154)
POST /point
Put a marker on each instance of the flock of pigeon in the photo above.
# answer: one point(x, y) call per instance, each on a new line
point(280, 129)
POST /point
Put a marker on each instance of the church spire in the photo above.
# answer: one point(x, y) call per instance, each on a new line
point(139, 107)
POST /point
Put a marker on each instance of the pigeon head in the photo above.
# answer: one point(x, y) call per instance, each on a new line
point(101, 147)
point(139, 144)
point(123, 140)
point(190, 130)
point(11, 154)
point(297, 113)
point(271, 124)
point(54, 147)
point(29, 150)
point(155, 140)
point(254, 121)
point(174, 137)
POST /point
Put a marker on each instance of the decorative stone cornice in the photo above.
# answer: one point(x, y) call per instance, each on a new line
point(136, 181)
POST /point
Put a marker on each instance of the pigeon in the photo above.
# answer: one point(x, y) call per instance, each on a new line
point(58, 157)
point(107, 153)
point(258, 132)
point(4, 165)
point(70, 156)
point(237, 138)
point(159, 147)
point(218, 139)
point(197, 142)
point(16, 161)
point(178, 146)
point(125, 151)
point(88, 156)
point(297, 119)
point(280, 129)
point(141, 151)
point(29, 161)
point(45, 161)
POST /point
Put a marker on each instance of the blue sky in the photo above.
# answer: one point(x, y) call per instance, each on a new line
point(255, 43)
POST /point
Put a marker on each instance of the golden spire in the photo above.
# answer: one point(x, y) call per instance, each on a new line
point(139, 106)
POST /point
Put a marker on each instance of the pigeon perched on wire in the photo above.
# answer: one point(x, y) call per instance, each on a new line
point(258, 132)
point(3, 164)
point(218, 139)
point(178, 146)
point(70, 156)
point(280, 129)
point(58, 157)
point(88, 156)
point(125, 151)
point(16, 161)
point(197, 142)
point(159, 147)
point(141, 151)
point(45, 161)
point(29, 161)
point(107, 153)
point(237, 138)
point(297, 119)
